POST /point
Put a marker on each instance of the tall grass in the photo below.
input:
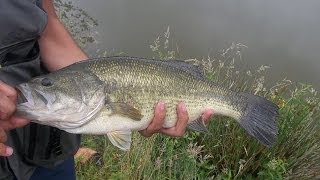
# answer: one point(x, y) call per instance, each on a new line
point(228, 152)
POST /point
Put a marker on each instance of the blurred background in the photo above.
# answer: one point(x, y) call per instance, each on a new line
point(281, 34)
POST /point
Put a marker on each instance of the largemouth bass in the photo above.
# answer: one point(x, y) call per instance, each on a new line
point(116, 95)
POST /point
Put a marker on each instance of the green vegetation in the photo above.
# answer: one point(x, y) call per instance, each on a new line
point(228, 152)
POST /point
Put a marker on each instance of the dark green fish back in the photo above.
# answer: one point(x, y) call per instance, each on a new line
point(156, 74)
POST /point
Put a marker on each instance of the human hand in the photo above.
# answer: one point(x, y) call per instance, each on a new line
point(179, 129)
point(8, 98)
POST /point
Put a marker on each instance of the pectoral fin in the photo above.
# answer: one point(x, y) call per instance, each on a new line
point(125, 110)
point(198, 125)
point(120, 139)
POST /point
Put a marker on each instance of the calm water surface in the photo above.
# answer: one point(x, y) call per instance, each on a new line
point(284, 34)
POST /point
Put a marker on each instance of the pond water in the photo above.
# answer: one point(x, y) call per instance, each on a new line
point(283, 34)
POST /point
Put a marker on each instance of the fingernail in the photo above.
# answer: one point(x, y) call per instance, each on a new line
point(183, 107)
point(161, 104)
point(9, 151)
point(210, 112)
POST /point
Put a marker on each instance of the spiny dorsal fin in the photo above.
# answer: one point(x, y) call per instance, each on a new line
point(120, 139)
point(125, 110)
point(187, 67)
point(184, 65)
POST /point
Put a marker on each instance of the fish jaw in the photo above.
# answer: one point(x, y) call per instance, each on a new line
point(62, 117)
point(26, 104)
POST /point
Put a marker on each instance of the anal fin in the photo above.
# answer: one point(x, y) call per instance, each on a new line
point(198, 125)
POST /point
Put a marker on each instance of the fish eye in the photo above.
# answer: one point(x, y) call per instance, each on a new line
point(46, 82)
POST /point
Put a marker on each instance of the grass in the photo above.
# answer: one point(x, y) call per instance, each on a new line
point(228, 152)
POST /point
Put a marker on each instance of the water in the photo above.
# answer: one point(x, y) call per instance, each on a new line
point(283, 34)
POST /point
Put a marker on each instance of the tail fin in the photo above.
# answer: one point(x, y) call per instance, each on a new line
point(259, 119)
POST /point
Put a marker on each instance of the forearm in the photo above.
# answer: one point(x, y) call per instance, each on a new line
point(57, 48)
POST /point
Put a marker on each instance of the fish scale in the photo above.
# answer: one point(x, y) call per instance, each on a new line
point(130, 87)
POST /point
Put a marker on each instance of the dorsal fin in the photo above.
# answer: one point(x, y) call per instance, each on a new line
point(179, 64)
point(190, 68)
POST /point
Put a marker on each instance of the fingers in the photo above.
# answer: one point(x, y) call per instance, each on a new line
point(8, 91)
point(206, 116)
point(3, 136)
point(7, 107)
point(157, 121)
point(179, 129)
point(13, 122)
point(4, 150)
point(8, 97)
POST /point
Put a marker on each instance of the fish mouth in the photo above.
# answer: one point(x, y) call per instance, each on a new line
point(21, 98)
point(25, 101)
point(24, 94)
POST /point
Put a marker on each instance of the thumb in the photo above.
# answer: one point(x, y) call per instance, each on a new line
point(206, 116)
point(13, 122)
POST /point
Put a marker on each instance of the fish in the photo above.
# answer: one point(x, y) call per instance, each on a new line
point(116, 95)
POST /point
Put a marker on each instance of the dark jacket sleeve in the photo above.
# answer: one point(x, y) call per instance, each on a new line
point(21, 23)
